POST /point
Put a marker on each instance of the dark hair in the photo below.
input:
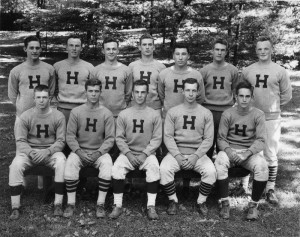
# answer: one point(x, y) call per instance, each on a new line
point(74, 37)
point(31, 38)
point(181, 46)
point(146, 36)
point(40, 88)
point(190, 81)
point(220, 41)
point(93, 82)
point(140, 83)
point(244, 85)
point(264, 38)
point(108, 40)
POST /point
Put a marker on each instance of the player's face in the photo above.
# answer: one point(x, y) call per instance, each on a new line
point(264, 51)
point(139, 94)
point(74, 47)
point(190, 92)
point(244, 98)
point(147, 47)
point(181, 57)
point(33, 50)
point(219, 52)
point(41, 99)
point(110, 51)
point(93, 94)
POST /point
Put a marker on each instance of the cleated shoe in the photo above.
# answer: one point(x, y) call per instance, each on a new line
point(172, 208)
point(271, 197)
point(116, 212)
point(100, 211)
point(225, 209)
point(253, 213)
point(202, 208)
point(58, 210)
point(15, 214)
point(151, 213)
point(69, 211)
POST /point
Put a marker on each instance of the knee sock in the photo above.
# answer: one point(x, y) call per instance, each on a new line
point(152, 189)
point(258, 189)
point(272, 178)
point(204, 191)
point(15, 192)
point(59, 188)
point(118, 189)
point(103, 188)
point(223, 187)
point(71, 186)
point(170, 190)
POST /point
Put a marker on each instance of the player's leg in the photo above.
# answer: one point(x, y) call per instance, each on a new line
point(104, 164)
point(71, 176)
point(119, 170)
point(217, 117)
point(16, 177)
point(206, 168)
point(168, 167)
point(151, 167)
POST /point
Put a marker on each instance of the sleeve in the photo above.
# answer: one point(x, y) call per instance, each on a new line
point(235, 79)
point(109, 139)
point(13, 87)
point(260, 131)
point(52, 81)
point(22, 135)
point(156, 137)
point(223, 132)
point(72, 131)
point(285, 88)
point(169, 134)
point(161, 88)
point(128, 85)
point(208, 136)
point(56, 91)
point(201, 96)
point(91, 71)
point(121, 135)
point(60, 141)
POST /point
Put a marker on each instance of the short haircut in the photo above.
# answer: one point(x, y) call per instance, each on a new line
point(264, 38)
point(190, 81)
point(181, 46)
point(220, 41)
point(108, 40)
point(74, 37)
point(146, 36)
point(93, 82)
point(140, 83)
point(31, 38)
point(40, 88)
point(244, 85)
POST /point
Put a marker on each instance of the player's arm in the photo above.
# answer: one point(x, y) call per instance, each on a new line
point(52, 82)
point(13, 87)
point(22, 136)
point(161, 88)
point(201, 94)
point(109, 138)
point(71, 135)
point(60, 141)
point(285, 88)
point(128, 86)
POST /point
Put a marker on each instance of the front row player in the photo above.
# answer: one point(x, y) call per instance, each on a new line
point(90, 135)
point(188, 135)
point(138, 136)
point(241, 141)
point(40, 139)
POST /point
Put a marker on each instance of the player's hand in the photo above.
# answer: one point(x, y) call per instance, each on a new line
point(142, 157)
point(84, 157)
point(243, 156)
point(190, 162)
point(133, 159)
point(95, 155)
point(232, 155)
point(39, 156)
point(180, 159)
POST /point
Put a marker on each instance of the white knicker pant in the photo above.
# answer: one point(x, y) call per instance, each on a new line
point(273, 132)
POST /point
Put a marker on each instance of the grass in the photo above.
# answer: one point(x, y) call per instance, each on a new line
point(37, 218)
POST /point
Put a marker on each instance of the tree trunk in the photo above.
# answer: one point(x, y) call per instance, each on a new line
point(237, 39)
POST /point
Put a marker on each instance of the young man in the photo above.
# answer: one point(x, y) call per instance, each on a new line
point(40, 138)
point(148, 69)
point(71, 76)
point(139, 134)
point(115, 77)
point(171, 79)
point(90, 135)
point(272, 89)
point(241, 141)
point(188, 134)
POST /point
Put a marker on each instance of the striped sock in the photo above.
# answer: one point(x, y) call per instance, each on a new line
point(272, 177)
point(170, 190)
point(204, 191)
point(71, 186)
point(103, 188)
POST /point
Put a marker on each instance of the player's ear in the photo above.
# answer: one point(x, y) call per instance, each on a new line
point(25, 49)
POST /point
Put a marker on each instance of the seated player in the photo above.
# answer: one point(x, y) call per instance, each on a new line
point(90, 135)
point(40, 138)
point(188, 134)
point(139, 134)
point(241, 141)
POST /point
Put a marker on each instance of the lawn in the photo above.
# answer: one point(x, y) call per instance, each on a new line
point(37, 218)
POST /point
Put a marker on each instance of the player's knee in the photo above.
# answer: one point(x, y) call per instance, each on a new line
point(261, 170)
point(107, 161)
point(17, 164)
point(116, 172)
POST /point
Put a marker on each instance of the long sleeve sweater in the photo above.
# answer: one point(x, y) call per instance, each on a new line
point(70, 81)
point(272, 87)
point(91, 129)
point(139, 131)
point(242, 130)
point(41, 131)
point(170, 87)
point(22, 81)
point(148, 72)
point(188, 131)
point(219, 86)
point(116, 86)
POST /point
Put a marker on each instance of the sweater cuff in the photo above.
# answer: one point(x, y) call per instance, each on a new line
point(147, 152)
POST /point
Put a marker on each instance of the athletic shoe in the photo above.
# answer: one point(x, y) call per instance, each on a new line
point(100, 211)
point(253, 213)
point(69, 211)
point(271, 197)
point(202, 208)
point(151, 213)
point(116, 212)
point(172, 208)
point(225, 209)
point(15, 214)
point(58, 210)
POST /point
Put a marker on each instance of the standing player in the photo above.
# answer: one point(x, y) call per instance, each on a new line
point(272, 89)
point(40, 138)
point(90, 135)
point(139, 134)
point(188, 134)
point(148, 69)
point(71, 76)
point(171, 79)
point(241, 141)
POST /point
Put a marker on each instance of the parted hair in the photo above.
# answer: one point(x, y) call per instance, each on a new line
point(220, 41)
point(146, 36)
point(190, 81)
point(108, 40)
point(140, 83)
point(264, 38)
point(93, 82)
point(31, 38)
point(40, 88)
point(244, 85)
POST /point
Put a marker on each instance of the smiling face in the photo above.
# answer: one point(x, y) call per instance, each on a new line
point(41, 99)
point(110, 50)
point(139, 94)
point(147, 47)
point(93, 94)
point(33, 50)
point(190, 92)
point(219, 52)
point(264, 51)
point(244, 98)
point(181, 57)
point(74, 47)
